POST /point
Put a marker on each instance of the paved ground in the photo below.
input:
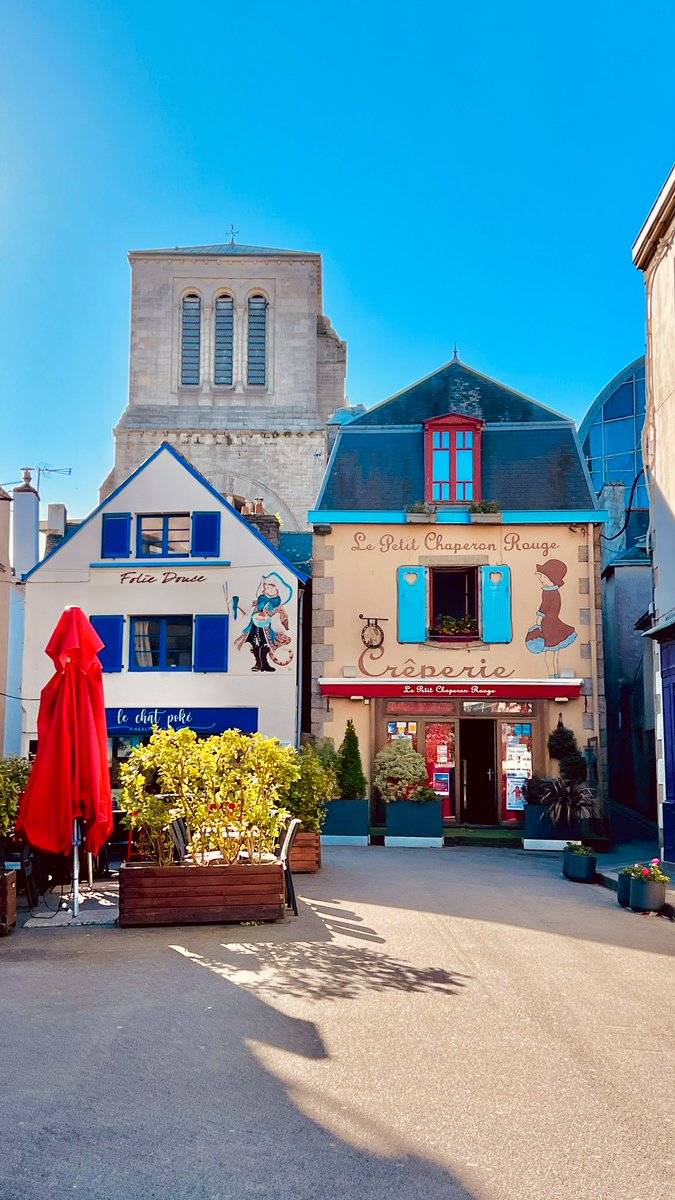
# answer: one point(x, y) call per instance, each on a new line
point(457, 1024)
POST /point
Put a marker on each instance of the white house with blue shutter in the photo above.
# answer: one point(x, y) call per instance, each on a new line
point(198, 612)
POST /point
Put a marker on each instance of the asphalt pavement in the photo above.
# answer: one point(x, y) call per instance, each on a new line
point(459, 1023)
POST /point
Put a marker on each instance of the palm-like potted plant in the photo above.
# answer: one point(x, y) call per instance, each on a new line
point(14, 773)
point(307, 799)
point(414, 815)
point(648, 886)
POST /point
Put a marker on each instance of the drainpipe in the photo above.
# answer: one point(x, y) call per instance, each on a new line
point(298, 680)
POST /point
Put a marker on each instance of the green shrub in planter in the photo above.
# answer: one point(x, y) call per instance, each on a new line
point(310, 793)
point(350, 777)
point(399, 771)
point(14, 775)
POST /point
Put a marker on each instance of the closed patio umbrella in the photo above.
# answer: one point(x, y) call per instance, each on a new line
point(70, 779)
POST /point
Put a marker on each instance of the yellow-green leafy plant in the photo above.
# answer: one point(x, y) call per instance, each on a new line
point(309, 794)
point(14, 774)
point(229, 789)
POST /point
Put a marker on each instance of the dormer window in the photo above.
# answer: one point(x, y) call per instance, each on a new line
point(452, 459)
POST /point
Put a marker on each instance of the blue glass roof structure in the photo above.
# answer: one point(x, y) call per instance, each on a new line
point(610, 433)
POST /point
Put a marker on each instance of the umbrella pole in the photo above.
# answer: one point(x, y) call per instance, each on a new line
point(76, 868)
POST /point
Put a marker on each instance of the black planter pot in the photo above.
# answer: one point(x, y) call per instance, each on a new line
point(538, 824)
point(646, 895)
point(623, 890)
point(580, 868)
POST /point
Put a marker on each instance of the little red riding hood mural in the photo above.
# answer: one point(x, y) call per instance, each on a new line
point(549, 635)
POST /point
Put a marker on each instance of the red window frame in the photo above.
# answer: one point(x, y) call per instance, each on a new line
point(452, 424)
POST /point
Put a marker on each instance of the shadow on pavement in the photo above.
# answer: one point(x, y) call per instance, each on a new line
point(133, 1074)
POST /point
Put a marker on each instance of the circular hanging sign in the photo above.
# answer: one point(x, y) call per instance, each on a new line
point(372, 636)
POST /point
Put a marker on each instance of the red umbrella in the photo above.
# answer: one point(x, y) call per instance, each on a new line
point(70, 779)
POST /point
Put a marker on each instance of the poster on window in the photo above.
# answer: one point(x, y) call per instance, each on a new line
point(515, 796)
point(441, 783)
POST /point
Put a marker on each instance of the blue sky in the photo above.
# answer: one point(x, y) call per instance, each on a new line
point(471, 174)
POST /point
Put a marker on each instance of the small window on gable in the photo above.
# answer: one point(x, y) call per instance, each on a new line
point(190, 343)
point(452, 454)
point(256, 367)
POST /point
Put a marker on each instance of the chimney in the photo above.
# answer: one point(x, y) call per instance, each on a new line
point(26, 516)
point(265, 523)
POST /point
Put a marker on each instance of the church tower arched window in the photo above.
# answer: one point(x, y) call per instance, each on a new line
point(190, 344)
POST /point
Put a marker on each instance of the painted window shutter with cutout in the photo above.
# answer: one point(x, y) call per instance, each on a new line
point(412, 604)
point(206, 534)
point(116, 535)
point(111, 632)
point(211, 636)
point(496, 596)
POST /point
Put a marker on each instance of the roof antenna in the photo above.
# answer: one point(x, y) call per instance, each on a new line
point(233, 234)
point(455, 354)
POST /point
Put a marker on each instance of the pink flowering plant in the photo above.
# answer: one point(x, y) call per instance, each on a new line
point(649, 872)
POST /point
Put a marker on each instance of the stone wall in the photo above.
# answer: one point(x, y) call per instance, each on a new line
point(248, 441)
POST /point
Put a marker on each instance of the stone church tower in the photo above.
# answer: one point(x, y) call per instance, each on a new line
point(234, 363)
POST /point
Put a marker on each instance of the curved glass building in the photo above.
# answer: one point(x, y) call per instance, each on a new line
point(610, 433)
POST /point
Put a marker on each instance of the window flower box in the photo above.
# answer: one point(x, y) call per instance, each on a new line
point(484, 518)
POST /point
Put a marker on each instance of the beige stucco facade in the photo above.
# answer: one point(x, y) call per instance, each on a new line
point(249, 441)
point(358, 574)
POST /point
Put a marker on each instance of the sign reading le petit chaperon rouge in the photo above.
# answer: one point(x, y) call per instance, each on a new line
point(448, 543)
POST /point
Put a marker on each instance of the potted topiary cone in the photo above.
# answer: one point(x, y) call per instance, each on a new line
point(347, 817)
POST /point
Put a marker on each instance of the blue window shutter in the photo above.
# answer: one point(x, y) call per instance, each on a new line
point(116, 535)
point(412, 604)
point(211, 636)
point(206, 534)
point(496, 593)
point(111, 632)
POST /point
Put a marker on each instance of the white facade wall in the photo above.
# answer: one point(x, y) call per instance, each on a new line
point(76, 574)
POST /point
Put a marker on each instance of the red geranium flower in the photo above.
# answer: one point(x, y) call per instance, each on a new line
point(645, 871)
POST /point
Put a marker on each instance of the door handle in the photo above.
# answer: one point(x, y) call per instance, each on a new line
point(490, 774)
point(464, 774)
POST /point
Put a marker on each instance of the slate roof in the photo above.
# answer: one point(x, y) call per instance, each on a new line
point(230, 250)
point(531, 457)
point(457, 388)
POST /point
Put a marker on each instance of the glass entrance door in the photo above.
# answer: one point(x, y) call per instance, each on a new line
point(478, 780)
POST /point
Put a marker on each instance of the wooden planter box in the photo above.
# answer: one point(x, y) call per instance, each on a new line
point(306, 853)
point(7, 902)
point(192, 895)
